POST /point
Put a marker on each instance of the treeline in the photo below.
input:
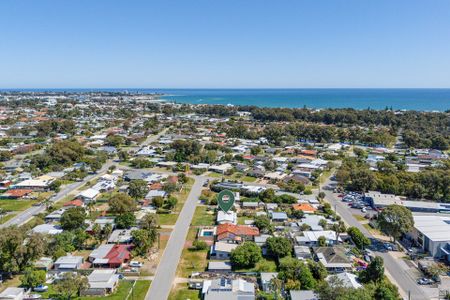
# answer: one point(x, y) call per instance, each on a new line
point(319, 133)
point(419, 129)
point(391, 178)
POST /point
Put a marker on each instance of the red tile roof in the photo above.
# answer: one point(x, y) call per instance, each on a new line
point(304, 207)
point(17, 193)
point(76, 202)
point(237, 229)
point(118, 254)
point(309, 152)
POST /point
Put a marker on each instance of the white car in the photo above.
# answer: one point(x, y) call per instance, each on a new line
point(135, 264)
point(41, 288)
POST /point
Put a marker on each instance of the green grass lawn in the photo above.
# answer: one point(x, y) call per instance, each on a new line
point(264, 265)
point(202, 217)
point(15, 205)
point(167, 219)
point(139, 292)
point(183, 293)
point(241, 220)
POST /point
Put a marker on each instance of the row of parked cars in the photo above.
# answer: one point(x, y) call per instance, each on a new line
point(355, 200)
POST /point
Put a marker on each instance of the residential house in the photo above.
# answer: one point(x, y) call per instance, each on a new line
point(16, 193)
point(235, 233)
point(49, 229)
point(348, 280)
point(102, 282)
point(68, 263)
point(110, 255)
point(219, 266)
point(222, 250)
point(278, 216)
point(302, 252)
point(121, 236)
point(89, 195)
point(40, 183)
point(303, 295)
point(221, 169)
point(310, 238)
point(334, 259)
point(226, 217)
point(226, 288)
point(305, 207)
point(43, 263)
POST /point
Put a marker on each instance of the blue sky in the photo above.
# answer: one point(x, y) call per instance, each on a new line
point(204, 43)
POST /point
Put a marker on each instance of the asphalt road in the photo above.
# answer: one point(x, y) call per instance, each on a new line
point(404, 280)
point(167, 268)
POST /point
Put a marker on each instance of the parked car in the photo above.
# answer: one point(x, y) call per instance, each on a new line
point(135, 264)
point(41, 288)
point(424, 281)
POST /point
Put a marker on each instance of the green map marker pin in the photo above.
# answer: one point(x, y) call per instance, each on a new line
point(225, 199)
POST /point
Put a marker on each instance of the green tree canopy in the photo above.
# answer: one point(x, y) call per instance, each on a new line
point(395, 220)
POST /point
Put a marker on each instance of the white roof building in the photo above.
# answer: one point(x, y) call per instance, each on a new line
point(433, 233)
point(47, 229)
point(348, 280)
point(226, 217)
point(105, 280)
point(12, 293)
point(89, 194)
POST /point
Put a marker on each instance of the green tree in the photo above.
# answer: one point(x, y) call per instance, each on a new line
point(149, 221)
point(200, 245)
point(263, 223)
point(143, 241)
point(121, 203)
point(18, 250)
point(318, 270)
point(322, 241)
point(73, 218)
point(306, 278)
point(246, 255)
point(125, 220)
point(279, 247)
point(338, 228)
point(360, 240)
point(123, 155)
point(137, 188)
point(374, 271)
point(158, 201)
point(70, 285)
point(395, 220)
point(172, 202)
point(32, 278)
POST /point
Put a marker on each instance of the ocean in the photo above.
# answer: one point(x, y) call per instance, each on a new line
point(407, 99)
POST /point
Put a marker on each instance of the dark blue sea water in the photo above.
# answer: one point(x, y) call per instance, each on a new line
point(410, 99)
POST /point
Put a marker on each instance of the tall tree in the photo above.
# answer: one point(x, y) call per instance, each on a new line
point(395, 220)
